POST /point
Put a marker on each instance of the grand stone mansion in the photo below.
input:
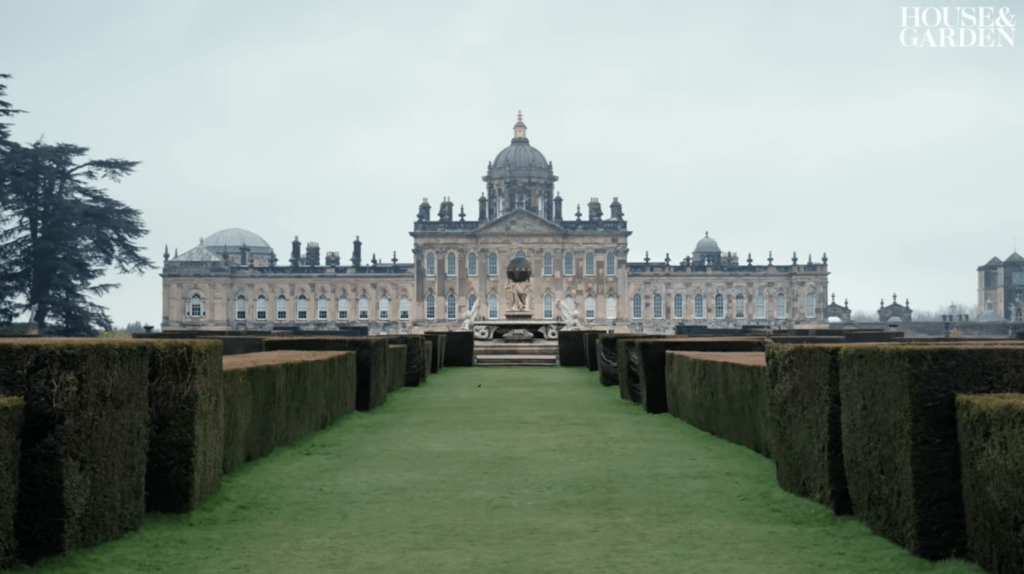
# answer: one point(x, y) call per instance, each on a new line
point(233, 280)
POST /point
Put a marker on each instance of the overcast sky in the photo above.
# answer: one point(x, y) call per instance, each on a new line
point(801, 126)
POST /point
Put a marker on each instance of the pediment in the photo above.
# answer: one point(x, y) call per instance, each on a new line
point(519, 222)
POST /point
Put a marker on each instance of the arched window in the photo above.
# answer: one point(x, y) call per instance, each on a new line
point(301, 316)
point(403, 308)
point(196, 306)
point(471, 264)
point(588, 264)
point(321, 308)
point(759, 307)
point(430, 264)
point(449, 308)
point(240, 308)
point(567, 268)
point(589, 306)
point(450, 270)
point(548, 311)
point(570, 302)
point(609, 306)
point(740, 303)
point(430, 306)
point(677, 306)
point(382, 308)
point(657, 306)
point(809, 311)
point(492, 264)
point(637, 307)
point(364, 308)
point(780, 306)
point(470, 301)
point(492, 306)
point(547, 265)
point(698, 306)
point(719, 306)
point(261, 308)
point(282, 308)
point(609, 265)
point(343, 307)
point(520, 254)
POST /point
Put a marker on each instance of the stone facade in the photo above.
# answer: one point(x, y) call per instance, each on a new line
point(1001, 289)
point(232, 280)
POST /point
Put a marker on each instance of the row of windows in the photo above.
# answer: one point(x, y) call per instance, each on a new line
point(492, 264)
point(658, 311)
point(302, 311)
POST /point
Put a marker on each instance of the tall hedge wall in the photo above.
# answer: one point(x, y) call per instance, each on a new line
point(274, 399)
point(415, 347)
point(590, 348)
point(628, 361)
point(570, 349)
point(724, 394)
point(396, 366)
point(805, 426)
point(371, 362)
point(11, 418)
point(900, 435)
point(86, 430)
point(438, 354)
point(458, 348)
point(428, 358)
point(186, 400)
point(990, 430)
point(608, 356)
point(650, 364)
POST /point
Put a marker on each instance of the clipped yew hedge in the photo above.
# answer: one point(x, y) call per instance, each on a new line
point(650, 362)
point(396, 366)
point(804, 424)
point(458, 348)
point(570, 349)
point(11, 418)
point(275, 398)
point(416, 367)
point(590, 352)
point(186, 400)
point(437, 355)
point(724, 394)
point(628, 361)
point(990, 429)
point(82, 472)
point(428, 358)
point(899, 431)
point(608, 356)
point(371, 362)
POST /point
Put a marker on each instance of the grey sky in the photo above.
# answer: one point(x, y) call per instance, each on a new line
point(802, 126)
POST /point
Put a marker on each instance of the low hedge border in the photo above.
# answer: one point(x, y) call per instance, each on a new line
point(805, 426)
point(11, 419)
point(371, 362)
point(724, 394)
point(990, 431)
point(274, 399)
point(82, 468)
point(899, 432)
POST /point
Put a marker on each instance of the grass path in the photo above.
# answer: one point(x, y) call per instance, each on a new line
point(520, 470)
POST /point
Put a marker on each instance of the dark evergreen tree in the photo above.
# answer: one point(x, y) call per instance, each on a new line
point(59, 233)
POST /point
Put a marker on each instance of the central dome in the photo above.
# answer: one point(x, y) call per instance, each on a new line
point(520, 156)
point(707, 245)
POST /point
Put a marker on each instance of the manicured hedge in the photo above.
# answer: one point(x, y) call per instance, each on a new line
point(275, 398)
point(371, 362)
point(900, 435)
point(590, 352)
point(82, 472)
point(11, 418)
point(438, 355)
point(724, 394)
point(608, 356)
point(628, 361)
point(186, 400)
point(805, 427)
point(990, 430)
point(650, 362)
point(415, 346)
point(570, 349)
point(396, 367)
point(428, 357)
point(458, 349)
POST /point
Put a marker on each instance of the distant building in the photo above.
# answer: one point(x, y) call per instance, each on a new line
point(1001, 289)
point(232, 279)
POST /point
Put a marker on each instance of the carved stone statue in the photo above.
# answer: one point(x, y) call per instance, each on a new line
point(469, 316)
point(570, 316)
point(519, 294)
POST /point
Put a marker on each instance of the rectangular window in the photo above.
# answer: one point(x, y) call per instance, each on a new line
point(450, 268)
point(382, 309)
point(609, 268)
point(492, 306)
point(588, 268)
point(698, 307)
point(261, 309)
point(657, 307)
point(719, 307)
point(430, 306)
point(547, 265)
point(403, 308)
point(740, 303)
point(677, 307)
point(637, 309)
point(609, 307)
point(590, 306)
point(282, 311)
point(548, 312)
point(492, 265)
point(302, 308)
point(780, 307)
point(364, 309)
point(471, 265)
point(343, 308)
point(809, 311)
point(321, 309)
point(567, 267)
point(449, 308)
point(759, 310)
point(430, 264)
point(240, 308)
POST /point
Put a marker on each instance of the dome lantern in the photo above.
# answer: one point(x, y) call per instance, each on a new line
point(519, 130)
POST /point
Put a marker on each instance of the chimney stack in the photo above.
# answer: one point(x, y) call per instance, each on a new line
point(595, 209)
point(558, 207)
point(424, 214)
point(313, 254)
point(357, 248)
point(332, 259)
point(296, 252)
point(616, 209)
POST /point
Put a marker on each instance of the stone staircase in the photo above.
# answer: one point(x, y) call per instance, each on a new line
point(537, 353)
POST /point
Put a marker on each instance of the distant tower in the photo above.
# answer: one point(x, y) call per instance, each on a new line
point(520, 178)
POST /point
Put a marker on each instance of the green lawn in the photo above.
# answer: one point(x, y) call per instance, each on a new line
point(522, 470)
